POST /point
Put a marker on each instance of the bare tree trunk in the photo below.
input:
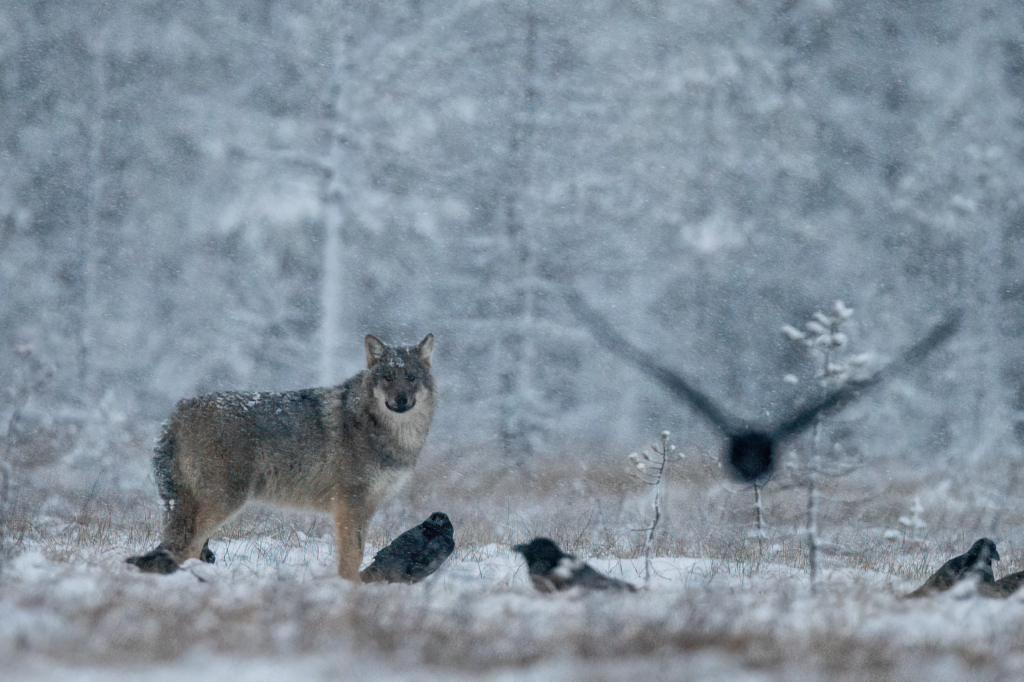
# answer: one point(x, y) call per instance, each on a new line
point(333, 318)
point(90, 248)
point(759, 517)
point(331, 299)
point(649, 542)
point(812, 525)
point(812, 507)
point(517, 383)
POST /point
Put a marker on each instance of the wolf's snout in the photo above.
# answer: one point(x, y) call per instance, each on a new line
point(401, 403)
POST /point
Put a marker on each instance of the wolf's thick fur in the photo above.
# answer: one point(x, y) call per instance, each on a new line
point(342, 449)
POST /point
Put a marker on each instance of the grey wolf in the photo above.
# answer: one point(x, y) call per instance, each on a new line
point(415, 554)
point(341, 449)
point(750, 449)
point(976, 563)
point(552, 570)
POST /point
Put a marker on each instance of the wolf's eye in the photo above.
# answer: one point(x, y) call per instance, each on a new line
point(410, 378)
point(389, 377)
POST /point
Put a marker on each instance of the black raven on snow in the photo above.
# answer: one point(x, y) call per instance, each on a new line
point(414, 554)
point(552, 570)
point(976, 562)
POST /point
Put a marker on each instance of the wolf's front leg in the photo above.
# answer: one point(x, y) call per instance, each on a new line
point(350, 524)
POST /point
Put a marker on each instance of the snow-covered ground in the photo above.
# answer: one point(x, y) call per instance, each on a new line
point(274, 609)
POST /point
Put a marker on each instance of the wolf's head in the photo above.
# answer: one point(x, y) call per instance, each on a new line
point(400, 375)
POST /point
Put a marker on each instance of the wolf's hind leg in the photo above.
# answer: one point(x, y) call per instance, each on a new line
point(192, 531)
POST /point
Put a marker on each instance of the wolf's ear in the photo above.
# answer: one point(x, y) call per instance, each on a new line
point(374, 350)
point(426, 347)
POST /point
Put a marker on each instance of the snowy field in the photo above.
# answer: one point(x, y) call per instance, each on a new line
point(719, 607)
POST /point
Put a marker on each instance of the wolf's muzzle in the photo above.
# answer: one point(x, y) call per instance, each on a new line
point(401, 403)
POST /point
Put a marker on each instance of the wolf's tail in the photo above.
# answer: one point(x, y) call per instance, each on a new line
point(165, 469)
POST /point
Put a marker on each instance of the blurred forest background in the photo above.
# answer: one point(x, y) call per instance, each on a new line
point(209, 194)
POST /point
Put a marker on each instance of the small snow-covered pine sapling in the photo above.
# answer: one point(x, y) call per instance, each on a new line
point(823, 337)
point(914, 524)
point(651, 470)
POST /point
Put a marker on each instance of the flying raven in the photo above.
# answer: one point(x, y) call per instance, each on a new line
point(750, 448)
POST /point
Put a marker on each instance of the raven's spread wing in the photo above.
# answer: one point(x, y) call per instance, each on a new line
point(846, 394)
point(682, 388)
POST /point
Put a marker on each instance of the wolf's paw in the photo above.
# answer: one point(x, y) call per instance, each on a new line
point(157, 561)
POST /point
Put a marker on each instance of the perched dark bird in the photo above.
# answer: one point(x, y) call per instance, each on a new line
point(976, 564)
point(1002, 588)
point(415, 554)
point(551, 569)
point(159, 560)
point(750, 448)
